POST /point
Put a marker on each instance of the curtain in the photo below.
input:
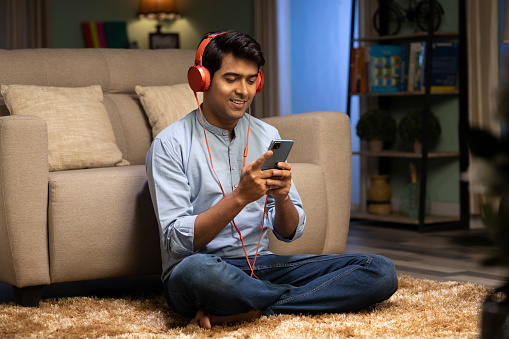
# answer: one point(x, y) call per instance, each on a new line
point(483, 78)
point(26, 24)
point(267, 102)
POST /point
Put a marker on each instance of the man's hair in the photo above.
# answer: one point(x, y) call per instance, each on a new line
point(236, 43)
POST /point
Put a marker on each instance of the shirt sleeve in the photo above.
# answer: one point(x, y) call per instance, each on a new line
point(170, 193)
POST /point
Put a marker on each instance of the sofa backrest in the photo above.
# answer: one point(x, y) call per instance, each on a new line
point(118, 71)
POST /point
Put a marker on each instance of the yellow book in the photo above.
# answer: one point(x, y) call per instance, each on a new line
point(94, 34)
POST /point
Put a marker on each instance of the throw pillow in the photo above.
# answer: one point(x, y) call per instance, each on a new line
point(80, 134)
point(166, 104)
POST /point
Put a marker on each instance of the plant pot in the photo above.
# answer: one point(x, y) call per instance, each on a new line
point(376, 145)
point(417, 146)
point(495, 315)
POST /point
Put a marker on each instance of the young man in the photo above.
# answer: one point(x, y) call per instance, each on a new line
point(203, 191)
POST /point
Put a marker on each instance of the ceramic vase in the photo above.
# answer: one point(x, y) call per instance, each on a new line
point(380, 195)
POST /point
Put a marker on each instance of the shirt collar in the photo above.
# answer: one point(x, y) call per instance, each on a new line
point(219, 131)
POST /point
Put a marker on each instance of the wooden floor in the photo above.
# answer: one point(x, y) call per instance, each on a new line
point(430, 255)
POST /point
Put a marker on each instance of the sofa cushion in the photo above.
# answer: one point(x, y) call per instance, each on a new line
point(130, 125)
point(79, 130)
point(309, 180)
point(101, 224)
point(166, 104)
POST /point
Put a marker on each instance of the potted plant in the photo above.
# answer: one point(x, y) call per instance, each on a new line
point(493, 153)
point(376, 126)
point(410, 128)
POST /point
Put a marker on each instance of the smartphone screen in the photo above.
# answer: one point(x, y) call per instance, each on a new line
point(280, 150)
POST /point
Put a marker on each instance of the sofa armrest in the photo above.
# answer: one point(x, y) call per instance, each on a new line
point(23, 201)
point(323, 138)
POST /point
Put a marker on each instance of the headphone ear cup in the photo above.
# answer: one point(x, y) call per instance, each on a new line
point(259, 81)
point(198, 78)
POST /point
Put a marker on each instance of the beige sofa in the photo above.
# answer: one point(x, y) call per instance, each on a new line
point(96, 223)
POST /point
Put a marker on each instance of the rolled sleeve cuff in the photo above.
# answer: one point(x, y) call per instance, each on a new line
point(298, 231)
point(182, 237)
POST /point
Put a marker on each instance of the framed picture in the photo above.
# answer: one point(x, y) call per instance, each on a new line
point(164, 40)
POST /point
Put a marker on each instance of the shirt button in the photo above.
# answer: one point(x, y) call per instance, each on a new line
point(233, 168)
point(231, 148)
point(235, 185)
point(225, 132)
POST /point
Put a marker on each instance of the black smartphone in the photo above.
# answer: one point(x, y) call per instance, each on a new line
point(280, 149)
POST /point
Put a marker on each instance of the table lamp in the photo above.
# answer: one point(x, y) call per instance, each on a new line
point(158, 9)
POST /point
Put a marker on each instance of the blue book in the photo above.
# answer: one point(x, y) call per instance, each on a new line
point(387, 68)
point(444, 71)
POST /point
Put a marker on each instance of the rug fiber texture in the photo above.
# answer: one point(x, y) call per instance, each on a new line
point(419, 309)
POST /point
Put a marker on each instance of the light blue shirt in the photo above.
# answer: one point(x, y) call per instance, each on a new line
point(183, 185)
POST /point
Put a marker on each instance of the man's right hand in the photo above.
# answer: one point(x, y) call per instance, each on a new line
point(253, 181)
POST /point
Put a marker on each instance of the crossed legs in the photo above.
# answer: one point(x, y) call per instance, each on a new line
point(212, 290)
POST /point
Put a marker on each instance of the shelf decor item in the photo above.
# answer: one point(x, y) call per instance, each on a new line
point(390, 16)
point(376, 125)
point(409, 201)
point(410, 128)
point(380, 195)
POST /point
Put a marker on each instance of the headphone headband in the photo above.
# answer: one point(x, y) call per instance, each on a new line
point(201, 49)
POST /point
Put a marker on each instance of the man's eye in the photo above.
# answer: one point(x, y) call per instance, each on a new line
point(251, 82)
point(230, 80)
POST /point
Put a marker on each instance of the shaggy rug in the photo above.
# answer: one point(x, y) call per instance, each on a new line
point(419, 309)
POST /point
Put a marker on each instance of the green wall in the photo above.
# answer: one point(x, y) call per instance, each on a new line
point(198, 18)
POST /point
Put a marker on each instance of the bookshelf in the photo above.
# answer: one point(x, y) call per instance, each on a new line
point(426, 99)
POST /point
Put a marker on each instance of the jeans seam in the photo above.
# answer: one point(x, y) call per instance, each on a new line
point(281, 302)
point(311, 260)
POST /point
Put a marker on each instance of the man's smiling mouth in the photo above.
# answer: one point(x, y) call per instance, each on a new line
point(238, 102)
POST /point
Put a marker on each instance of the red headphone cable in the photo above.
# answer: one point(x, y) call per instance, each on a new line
point(251, 267)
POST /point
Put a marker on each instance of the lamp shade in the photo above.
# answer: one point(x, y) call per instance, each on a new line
point(160, 9)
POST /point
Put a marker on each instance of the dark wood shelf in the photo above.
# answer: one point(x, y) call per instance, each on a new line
point(413, 36)
point(403, 94)
point(400, 154)
point(426, 99)
point(399, 218)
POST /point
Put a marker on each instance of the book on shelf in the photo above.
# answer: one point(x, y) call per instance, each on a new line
point(444, 72)
point(414, 67)
point(104, 34)
point(387, 68)
point(358, 70)
point(397, 68)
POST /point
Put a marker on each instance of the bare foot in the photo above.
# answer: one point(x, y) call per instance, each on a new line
point(207, 321)
point(202, 320)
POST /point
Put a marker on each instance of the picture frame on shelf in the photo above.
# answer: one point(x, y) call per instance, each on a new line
point(164, 40)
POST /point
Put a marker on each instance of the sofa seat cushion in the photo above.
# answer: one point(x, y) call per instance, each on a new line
point(101, 224)
point(79, 130)
point(309, 180)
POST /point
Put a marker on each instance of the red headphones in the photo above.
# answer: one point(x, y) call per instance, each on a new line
point(199, 76)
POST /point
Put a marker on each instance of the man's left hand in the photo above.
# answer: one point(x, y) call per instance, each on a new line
point(280, 180)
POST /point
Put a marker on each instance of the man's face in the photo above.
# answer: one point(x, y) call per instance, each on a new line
point(231, 92)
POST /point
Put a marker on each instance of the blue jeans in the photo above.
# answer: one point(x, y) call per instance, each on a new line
point(294, 284)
